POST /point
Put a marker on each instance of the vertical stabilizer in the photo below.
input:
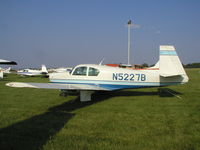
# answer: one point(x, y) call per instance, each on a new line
point(1, 74)
point(44, 69)
point(170, 64)
point(7, 70)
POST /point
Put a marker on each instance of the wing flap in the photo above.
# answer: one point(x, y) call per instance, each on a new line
point(56, 86)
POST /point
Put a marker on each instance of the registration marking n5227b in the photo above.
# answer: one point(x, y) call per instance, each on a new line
point(129, 77)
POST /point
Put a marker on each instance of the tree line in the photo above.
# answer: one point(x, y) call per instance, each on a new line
point(190, 65)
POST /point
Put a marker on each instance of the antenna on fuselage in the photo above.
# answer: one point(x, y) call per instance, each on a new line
point(101, 61)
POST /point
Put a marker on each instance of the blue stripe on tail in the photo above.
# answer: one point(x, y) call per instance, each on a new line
point(166, 52)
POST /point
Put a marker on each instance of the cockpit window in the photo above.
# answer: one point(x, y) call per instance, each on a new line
point(82, 71)
point(93, 72)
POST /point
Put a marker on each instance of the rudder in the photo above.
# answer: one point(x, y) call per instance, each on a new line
point(44, 69)
point(170, 64)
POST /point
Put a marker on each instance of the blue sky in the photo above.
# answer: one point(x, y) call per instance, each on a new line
point(69, 32)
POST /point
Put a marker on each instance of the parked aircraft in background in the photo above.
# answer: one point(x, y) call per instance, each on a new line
point(88, 78)
point(6, 70)
point(59, 70)
point(31, 72)
point(5, 62)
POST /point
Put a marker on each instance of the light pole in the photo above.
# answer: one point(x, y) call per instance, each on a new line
point(129, 40)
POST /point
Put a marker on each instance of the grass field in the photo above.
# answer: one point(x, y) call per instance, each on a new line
point(140, 119)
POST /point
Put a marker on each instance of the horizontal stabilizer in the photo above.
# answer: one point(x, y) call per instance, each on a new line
point(168, 75)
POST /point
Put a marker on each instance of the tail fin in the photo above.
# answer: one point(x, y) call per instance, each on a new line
point(7, 70)
point(1, 74)
point(170, 64)
point(44, 69)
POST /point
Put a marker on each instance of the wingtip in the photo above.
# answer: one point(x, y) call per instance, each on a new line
point(19, 84)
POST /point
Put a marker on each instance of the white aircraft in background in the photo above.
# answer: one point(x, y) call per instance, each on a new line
point(5, 62)
point(88, 78)
point(6, 70)
point(59, 70)
point(31, 72)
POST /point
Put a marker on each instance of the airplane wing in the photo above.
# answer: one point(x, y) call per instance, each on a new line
point(29, 73)
point(7, 62)
point(57, 86)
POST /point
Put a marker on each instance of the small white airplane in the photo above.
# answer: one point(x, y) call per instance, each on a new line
point(59, 70)
point(88, 78)
point(31, 72)
point(6, 70)
point(5, 62)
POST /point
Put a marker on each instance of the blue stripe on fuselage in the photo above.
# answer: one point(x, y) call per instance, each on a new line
point(110, 85)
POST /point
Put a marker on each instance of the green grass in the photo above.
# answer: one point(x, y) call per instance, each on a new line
point(34, 119)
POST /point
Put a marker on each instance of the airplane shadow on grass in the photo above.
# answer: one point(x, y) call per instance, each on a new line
point(33, 133)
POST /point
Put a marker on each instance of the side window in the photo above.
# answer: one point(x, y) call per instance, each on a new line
point(82, 71)
point(93, 72)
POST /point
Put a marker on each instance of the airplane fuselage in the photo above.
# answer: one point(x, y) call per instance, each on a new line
point(114, 78)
